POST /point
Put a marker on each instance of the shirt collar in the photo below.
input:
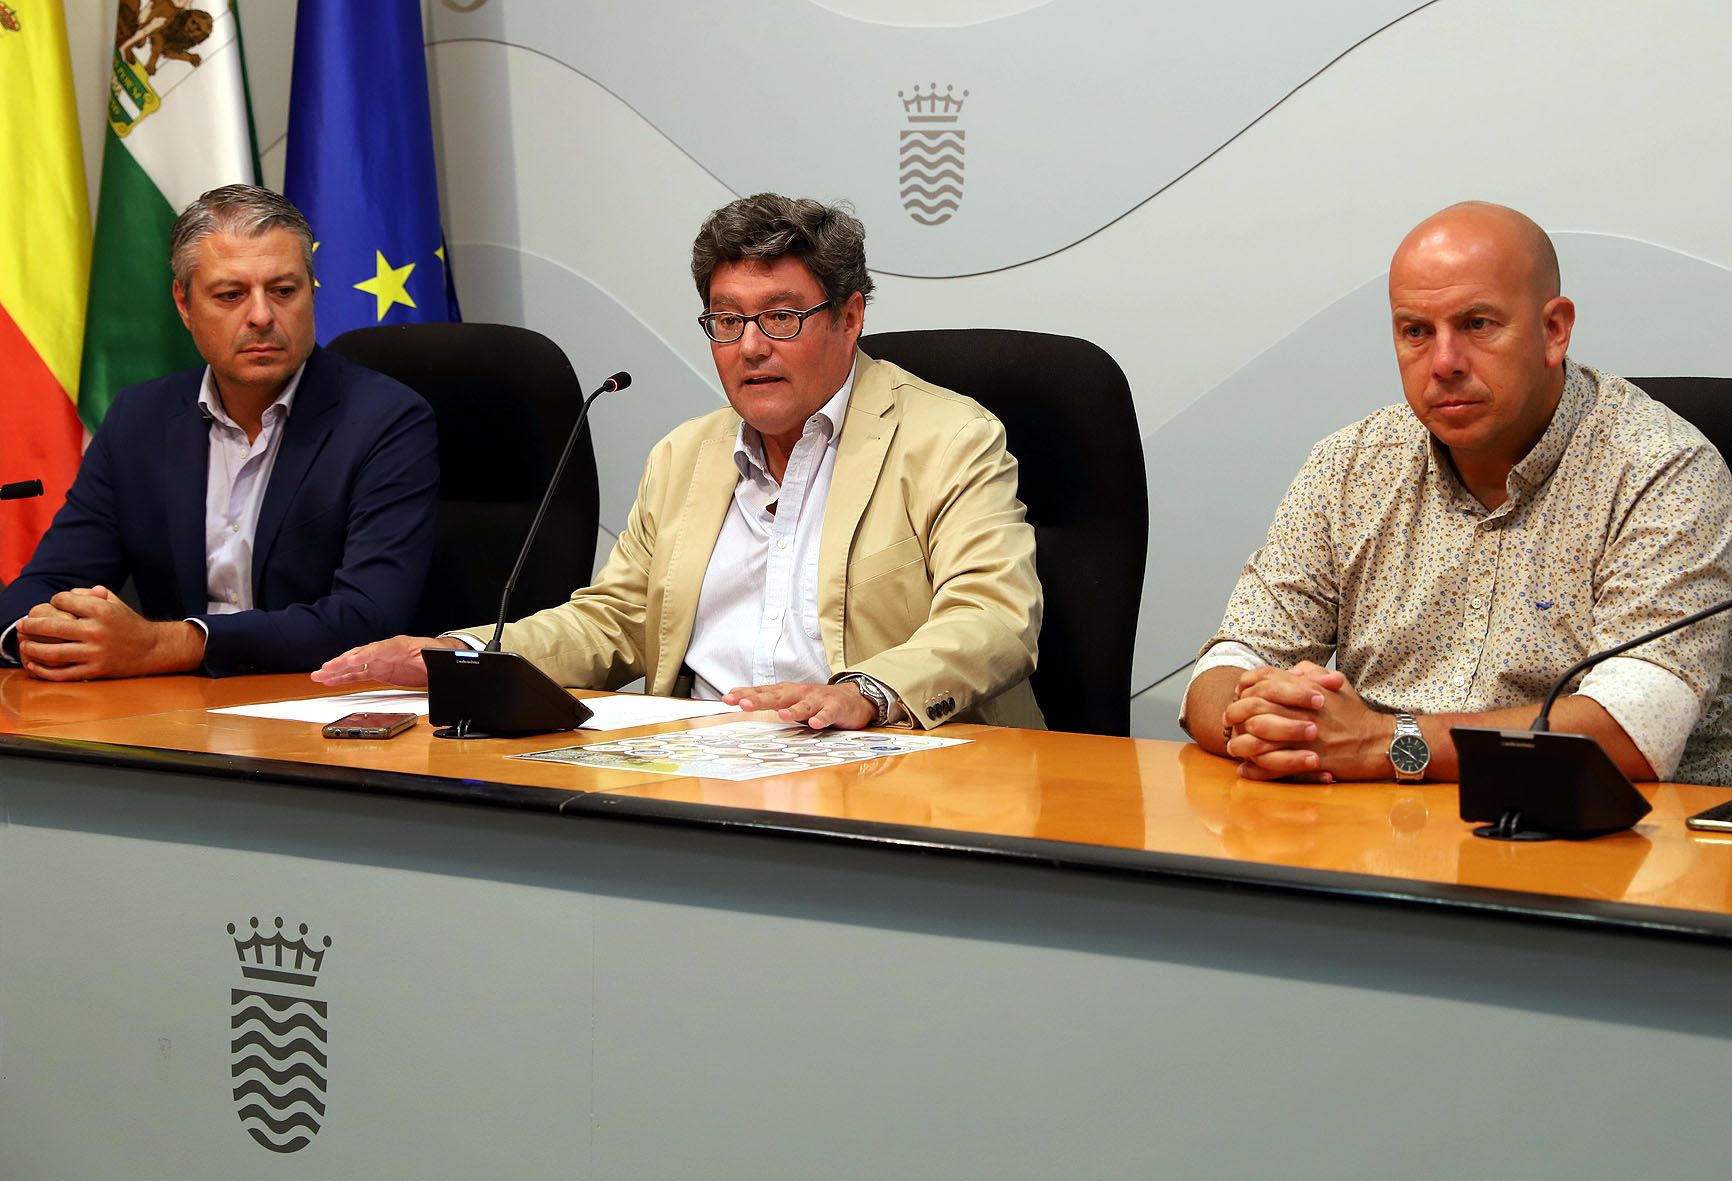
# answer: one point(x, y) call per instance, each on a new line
point(828, 418)
point(1537, 466)
point(210, 403)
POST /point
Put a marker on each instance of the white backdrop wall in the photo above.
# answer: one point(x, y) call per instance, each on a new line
point(1210, 192)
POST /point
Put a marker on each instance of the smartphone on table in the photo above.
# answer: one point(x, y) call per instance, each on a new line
point(369, 724)
point(1715, 819)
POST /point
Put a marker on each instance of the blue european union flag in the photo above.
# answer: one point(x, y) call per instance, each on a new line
point(360, 165)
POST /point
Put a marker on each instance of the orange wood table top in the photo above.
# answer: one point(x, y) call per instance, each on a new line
point(1117, 804)
point(29, 704)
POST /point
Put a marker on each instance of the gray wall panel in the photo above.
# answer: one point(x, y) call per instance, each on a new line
point(531, 996)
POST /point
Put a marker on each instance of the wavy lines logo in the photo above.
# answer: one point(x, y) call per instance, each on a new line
point(277, 1038)
point(933, 152)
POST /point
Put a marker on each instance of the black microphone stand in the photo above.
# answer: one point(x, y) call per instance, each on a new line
point(1537, 785)
point(491, 693)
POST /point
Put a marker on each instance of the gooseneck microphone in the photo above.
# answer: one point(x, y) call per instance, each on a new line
point(1534, 784)
point(492, 693)
point(22, 490)
point(617, 382)
point(1542, 723)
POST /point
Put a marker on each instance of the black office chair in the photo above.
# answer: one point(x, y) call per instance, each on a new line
point(1067, 413)
point(505, 398)
point(1704, 402)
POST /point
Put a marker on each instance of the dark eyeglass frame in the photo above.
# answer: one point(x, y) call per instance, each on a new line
point(707, 322)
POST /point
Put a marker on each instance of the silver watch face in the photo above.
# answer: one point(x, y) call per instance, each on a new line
point(1410, 754)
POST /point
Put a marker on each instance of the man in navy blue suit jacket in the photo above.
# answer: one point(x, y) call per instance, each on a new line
point(272, 509)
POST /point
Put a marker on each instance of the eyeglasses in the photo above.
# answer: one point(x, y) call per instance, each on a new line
point(775, 323)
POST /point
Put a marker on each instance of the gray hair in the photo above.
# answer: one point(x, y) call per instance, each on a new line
point(246, 211)
point(829, 239)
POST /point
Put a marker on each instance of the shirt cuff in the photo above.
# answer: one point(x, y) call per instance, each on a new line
point(9, 646)
point(1226, 654)
point(1657, 709)
point(474, 644)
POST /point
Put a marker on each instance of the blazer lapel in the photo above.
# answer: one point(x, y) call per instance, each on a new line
point(185, 462)
point(866, 434)
point(305, 433)
point(696, 527)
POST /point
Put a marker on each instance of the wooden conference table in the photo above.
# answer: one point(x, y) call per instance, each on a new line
point(1027, 955)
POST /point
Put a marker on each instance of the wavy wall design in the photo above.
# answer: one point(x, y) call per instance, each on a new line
point(941, 13)
point(1077, 110)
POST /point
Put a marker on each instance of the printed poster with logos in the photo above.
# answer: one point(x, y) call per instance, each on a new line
point(741, 750)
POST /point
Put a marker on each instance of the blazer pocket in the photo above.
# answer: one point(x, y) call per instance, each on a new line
point(886, 561)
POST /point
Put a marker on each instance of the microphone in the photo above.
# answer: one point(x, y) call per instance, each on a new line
point(491, 693)
point(22, 490)
point(617, 382)
point(1536, 785)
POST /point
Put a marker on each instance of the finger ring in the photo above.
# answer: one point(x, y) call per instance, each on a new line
point(365, 666)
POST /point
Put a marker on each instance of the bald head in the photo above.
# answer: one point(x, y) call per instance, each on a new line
point(1481, 334)
point(1479, 235)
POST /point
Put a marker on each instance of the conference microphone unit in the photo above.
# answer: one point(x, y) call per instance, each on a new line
point(1535, 785)
point(22, 490)
point(494, 694)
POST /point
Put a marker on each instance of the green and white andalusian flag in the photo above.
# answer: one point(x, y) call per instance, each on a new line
point(178, 124)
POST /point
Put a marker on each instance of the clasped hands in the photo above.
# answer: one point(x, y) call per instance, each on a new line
point(89, 633)
point(1306, 723)
point(397, 661)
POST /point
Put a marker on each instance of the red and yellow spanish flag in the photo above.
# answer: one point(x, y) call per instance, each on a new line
point(44, 268)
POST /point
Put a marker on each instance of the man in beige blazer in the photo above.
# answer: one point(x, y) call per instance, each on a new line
point(843, 544)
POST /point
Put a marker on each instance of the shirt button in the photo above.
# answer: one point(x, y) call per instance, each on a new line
point(1460, 680)
point(233, 597)
point(1478, 603)
point(235, 528)
point(781, 543)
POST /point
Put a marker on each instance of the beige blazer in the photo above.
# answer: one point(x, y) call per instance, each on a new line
point(925, 568)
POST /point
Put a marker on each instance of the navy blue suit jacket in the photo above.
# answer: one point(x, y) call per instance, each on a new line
point(345, 531)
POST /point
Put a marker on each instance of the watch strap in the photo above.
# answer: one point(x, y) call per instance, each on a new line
point(1407, 726)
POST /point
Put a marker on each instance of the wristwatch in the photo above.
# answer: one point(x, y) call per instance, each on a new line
point(872, 691)
point(1409, 752)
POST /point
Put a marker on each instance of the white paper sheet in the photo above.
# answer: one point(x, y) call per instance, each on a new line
point(635, 709)
point(324, 710)
point(619, 712)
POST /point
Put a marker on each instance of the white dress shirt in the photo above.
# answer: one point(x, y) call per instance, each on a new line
point(757, 616)
point(239, 472)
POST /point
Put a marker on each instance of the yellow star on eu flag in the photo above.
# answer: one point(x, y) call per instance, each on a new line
point(387, 286)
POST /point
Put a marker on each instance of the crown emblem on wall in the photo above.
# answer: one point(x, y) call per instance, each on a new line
point(278, 1062)
point(946, 106)
point(278, 957)
point(933, 153)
